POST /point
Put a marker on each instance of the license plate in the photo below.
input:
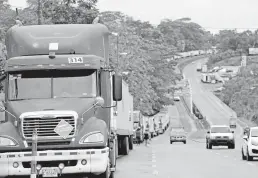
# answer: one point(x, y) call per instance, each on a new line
point(49, 172)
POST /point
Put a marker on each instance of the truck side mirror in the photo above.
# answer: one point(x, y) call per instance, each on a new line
point(245, 137)
point(208, 132)
point(117, 87)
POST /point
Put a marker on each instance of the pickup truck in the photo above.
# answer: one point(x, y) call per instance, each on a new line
point(220, 135)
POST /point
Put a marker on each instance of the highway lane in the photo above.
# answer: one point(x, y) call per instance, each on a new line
point(192, 160)
point(214, 110)
point(185, 119)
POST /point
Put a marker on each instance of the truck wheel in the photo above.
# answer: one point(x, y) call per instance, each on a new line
point(171, 142)
point(125, 146)
point(131, 143)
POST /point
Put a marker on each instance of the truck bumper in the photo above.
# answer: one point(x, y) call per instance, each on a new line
point(97, 161)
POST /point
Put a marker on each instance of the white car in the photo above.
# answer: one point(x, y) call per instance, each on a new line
point(176, 98)
point(220, 135)
point(250, 144)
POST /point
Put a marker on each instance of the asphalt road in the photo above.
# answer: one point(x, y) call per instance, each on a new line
point(191, 160)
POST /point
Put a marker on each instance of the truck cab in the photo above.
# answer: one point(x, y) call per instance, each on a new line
point(58, 83)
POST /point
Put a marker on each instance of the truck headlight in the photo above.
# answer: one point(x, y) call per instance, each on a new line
point(5, 141)
point(92, 138)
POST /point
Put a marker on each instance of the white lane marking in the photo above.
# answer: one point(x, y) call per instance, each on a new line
point(225, 156)
point(154, 165)
point(217, 154)
point(154, 161)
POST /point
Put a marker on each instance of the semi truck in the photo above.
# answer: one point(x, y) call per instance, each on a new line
point(163, 122)
point(59, 84)
point(138, 125)
point(156, 125)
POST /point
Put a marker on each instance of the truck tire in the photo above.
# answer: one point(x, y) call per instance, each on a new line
point(131, 143)
point(125, 146)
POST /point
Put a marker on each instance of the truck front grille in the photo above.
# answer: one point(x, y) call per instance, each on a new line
point(45, 126)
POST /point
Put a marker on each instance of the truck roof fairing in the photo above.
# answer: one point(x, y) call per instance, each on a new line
point(61, 62)
point(84, 39)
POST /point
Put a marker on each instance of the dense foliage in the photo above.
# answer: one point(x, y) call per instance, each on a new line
point(143, 48)
point(231, 44)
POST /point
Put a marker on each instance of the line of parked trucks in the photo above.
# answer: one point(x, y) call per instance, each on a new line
point(155, 125)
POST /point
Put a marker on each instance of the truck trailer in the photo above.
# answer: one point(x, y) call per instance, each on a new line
point(138, 125)
point(123, 128)
point(59, 84)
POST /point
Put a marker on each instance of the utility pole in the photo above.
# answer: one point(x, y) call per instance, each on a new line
point(39, 12)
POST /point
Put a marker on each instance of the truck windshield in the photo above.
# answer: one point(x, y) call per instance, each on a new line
point(220, 130)
point(42, 84)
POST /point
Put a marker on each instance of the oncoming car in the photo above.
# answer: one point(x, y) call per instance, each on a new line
point(220, 135)
point(177, 134)
point(250, 144)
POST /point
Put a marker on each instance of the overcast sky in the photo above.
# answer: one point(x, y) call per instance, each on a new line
point(211, 14)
